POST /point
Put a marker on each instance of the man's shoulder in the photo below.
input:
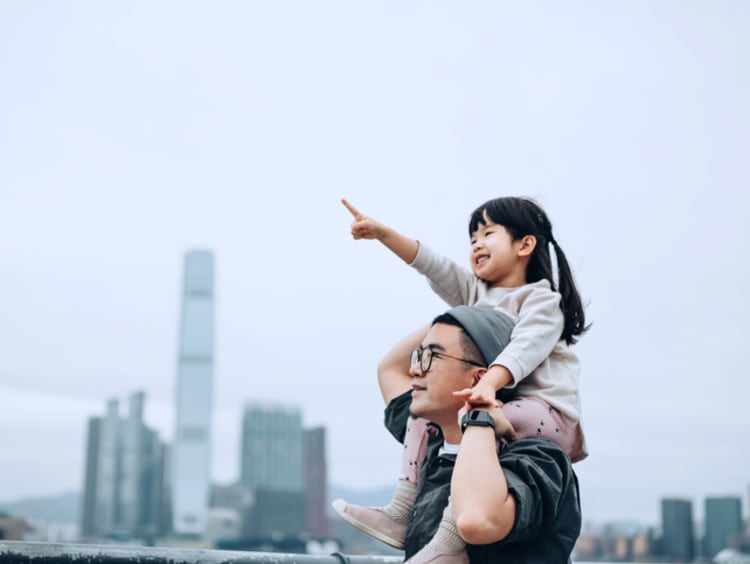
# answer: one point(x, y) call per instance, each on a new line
point(536, 451)
point(533, 444)
point(539, 467)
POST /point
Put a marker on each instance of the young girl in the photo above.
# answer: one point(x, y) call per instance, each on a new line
point(511, 271)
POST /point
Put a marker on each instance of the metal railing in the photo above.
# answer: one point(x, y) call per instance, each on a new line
point(20, 552)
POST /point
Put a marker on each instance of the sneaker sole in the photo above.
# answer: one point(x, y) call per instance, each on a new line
point(339, 505)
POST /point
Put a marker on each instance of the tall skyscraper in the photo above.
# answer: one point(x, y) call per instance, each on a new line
point(123, 478)
point(316, 481)
point(677, 528)
point(723, 519)
point(191, 455)
point(271, 452)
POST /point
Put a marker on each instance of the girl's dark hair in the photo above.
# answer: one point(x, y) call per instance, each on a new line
point(521, 217)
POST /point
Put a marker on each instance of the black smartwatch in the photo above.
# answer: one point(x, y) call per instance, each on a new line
point(476, 417)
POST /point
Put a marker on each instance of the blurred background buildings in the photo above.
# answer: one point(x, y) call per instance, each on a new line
point(138, 489)
point(679, 538)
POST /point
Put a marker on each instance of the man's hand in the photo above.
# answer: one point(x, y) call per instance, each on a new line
point(364, 227)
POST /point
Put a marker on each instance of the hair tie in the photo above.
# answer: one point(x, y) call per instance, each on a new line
point(554, 264)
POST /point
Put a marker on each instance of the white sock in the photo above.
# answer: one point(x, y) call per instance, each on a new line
point(447, 539)
point(399, 509)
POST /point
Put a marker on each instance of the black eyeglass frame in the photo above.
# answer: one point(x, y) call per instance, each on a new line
point(417, 355)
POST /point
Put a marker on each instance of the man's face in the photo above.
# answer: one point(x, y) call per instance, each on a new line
point(432, 396)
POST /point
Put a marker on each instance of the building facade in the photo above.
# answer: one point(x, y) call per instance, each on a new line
point(271, 451)
point(271, 457)
point(88, 498)
point(191, 453)
point(723, 520)
point(123, 481)
point(678, 540)
point(316, 481)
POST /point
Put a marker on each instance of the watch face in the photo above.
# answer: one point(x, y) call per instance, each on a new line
point(479, 418)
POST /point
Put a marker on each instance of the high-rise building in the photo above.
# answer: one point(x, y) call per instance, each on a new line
point(271, 470)
point(316, 481)
point(271, 451)
point(123, 475)
point(88, 502)
point(723, 519)
point(107, 503)
point(191, 454)
point(678, 541)
point(132, 465)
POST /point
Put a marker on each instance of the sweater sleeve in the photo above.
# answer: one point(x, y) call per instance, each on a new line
point(539, 328)
point(454, 284)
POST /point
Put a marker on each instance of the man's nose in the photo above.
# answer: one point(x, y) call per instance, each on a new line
point(415, 371)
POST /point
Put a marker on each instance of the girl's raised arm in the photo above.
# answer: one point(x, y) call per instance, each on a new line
point(364, 227)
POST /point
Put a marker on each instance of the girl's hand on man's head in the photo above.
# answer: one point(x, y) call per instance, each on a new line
point(478, 397)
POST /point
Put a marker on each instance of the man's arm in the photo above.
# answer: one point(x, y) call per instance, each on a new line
point(483, 507)
point(393, 370)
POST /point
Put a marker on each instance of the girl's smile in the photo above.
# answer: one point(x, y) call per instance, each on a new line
point(496, 257)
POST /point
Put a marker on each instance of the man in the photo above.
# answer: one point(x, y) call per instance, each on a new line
point(521, 505)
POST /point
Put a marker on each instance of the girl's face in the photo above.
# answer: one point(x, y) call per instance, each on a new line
point(495, 257)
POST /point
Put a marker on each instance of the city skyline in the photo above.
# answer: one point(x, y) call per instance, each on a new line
point(128, 485)
point(679, 538)
point(276, 431)
point(238, 128)
point(273, 424)
point(738, 500)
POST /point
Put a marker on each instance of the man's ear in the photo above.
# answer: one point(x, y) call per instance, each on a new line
point(477, 375)
point(527, 246)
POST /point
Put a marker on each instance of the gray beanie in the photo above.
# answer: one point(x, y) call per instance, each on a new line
point(488, 328)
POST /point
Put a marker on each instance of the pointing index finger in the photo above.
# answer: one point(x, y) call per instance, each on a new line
point(351, 209)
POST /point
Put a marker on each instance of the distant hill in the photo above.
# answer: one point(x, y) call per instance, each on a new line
point(379, 496)
point(64, 508)
point(54, 509)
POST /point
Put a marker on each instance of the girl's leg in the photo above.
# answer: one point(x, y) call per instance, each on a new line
point(388, 523)
point(532, 417)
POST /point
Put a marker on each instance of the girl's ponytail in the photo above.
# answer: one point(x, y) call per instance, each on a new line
point(570, 302)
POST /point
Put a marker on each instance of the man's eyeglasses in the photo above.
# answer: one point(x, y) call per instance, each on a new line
point(424, 357)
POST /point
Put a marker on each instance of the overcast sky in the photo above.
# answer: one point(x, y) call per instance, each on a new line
point(131, 132)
